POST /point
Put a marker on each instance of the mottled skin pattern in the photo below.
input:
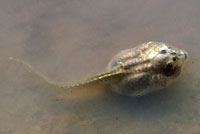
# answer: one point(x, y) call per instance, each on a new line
point(137, 71)
point(151, 66)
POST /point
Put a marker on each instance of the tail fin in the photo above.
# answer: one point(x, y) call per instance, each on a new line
point(102, 78)
point(37, 73)
point(106, 77)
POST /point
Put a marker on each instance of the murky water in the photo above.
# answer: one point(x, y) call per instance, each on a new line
point(69, 40)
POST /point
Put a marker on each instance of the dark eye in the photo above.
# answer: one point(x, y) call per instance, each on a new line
point(163, 51)
point(170, 66)
point(174, 58)
point(171, 69)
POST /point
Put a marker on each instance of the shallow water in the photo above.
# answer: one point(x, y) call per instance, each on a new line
point(70, 40)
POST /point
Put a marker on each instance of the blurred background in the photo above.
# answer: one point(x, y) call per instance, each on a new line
point(69, 40)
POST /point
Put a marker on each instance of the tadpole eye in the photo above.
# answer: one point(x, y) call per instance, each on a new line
point(170, 66)
point(170, 69)
point(174, 58)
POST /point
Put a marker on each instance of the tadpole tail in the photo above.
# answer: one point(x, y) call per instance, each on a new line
point(108, 77)
point(31, 69)
point(102, 78)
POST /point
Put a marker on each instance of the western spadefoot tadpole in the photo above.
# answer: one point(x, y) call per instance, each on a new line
point(137, 71)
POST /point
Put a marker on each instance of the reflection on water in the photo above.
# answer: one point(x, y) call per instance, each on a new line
point(69, 40)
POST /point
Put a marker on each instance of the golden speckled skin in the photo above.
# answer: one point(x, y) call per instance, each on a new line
point(148, 68)
point(137, 71)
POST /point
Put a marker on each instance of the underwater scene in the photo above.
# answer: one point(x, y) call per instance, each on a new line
point(72, 40)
